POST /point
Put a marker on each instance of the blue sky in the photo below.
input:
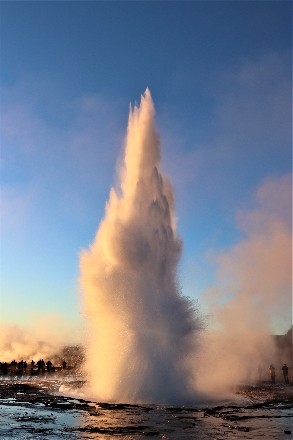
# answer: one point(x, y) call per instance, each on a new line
point(220, 77)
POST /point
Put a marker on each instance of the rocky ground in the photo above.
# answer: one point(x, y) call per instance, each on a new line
point(36, 410)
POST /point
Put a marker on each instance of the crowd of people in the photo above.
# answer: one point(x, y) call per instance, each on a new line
point(22, 367)
point(285, 371)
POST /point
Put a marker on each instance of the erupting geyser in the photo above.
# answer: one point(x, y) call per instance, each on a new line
point(141, 334)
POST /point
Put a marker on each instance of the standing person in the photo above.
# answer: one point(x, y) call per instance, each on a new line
point(13, 366)
point(39, 365)
point(64, 364)
point(285, 373)
point(32, 366)
point(49, 366)
point(272, 373)
point(20, 366)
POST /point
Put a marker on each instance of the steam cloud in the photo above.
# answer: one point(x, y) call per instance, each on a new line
point(253, 295)
point(43, 336)
point(17, 343)
point(141, 333)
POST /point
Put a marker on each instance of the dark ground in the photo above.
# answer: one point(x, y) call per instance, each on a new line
point(35, 410)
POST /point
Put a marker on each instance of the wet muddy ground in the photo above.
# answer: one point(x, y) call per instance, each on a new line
point(35, 409)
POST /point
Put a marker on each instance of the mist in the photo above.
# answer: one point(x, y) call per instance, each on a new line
point(251, 299)
point(43, 337)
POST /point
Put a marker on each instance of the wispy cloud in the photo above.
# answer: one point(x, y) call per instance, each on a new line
point(54, 152)
point(247, 130)
point(254, 105)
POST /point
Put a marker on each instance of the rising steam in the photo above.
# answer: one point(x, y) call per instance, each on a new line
point(141, 332)
point(253, 295)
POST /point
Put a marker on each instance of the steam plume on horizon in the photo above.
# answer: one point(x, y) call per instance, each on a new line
point(141, 333)
point(43, 338)
point(253, 294)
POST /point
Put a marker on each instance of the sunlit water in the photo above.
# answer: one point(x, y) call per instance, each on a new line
point(230, 418)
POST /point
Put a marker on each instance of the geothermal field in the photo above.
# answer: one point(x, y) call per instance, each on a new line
point(149, 366)
point(53, 406)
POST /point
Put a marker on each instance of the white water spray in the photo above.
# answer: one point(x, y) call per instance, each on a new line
point(141, 333)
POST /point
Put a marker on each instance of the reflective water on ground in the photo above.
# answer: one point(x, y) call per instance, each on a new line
point(37, 408)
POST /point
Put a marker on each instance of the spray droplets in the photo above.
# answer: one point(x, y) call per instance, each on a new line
point(141, 332)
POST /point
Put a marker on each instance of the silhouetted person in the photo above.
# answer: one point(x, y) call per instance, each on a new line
point(20, 366)
point(39, 365)
point(13, 366)
point(285, 373)
point(32, 366)
point(64, 365)
point(24, 366)
point(5, 368)
point(272, 373)
point(49, 366)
